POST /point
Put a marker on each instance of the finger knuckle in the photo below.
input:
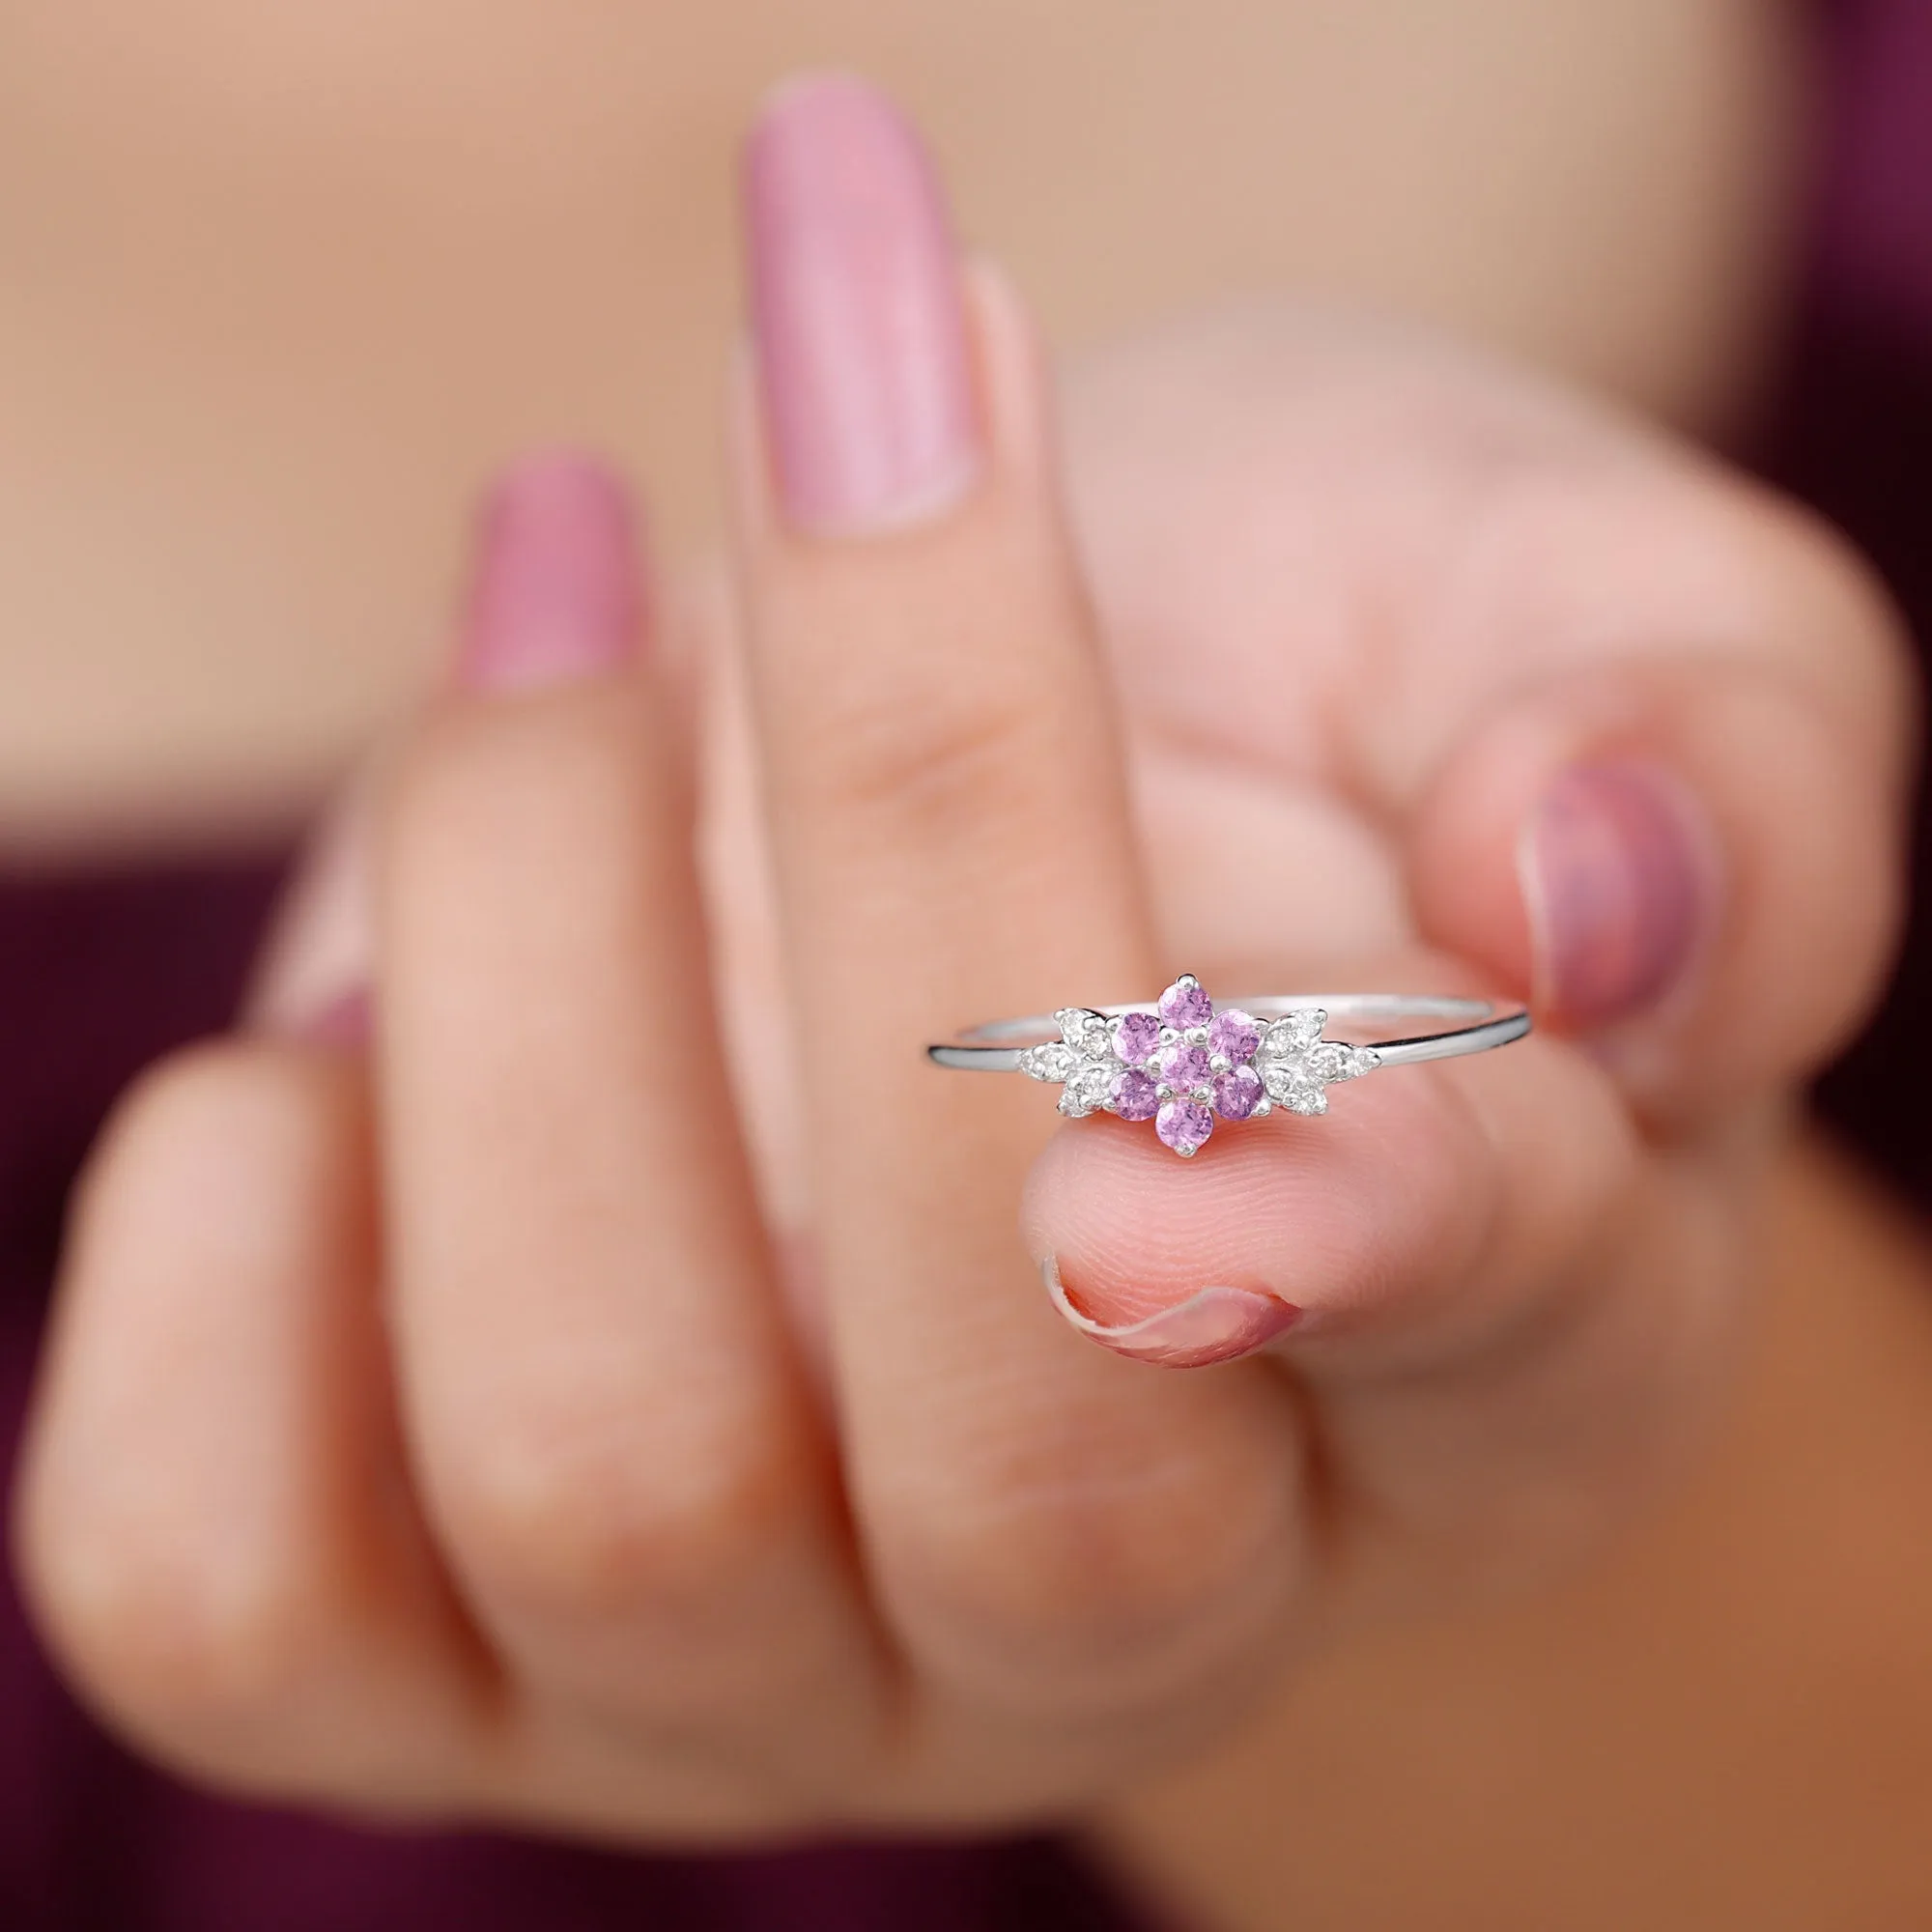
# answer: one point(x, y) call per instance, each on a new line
point(933, 756)
point(183, 1641)
point(1055, 1583)
point(481, 788)
point(210, 1165)
point(159, 1603)
point(208, 1098)
point(567, 1518)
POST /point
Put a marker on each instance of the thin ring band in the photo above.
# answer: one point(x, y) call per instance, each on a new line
point(1184, 1063)
point(978, 1049)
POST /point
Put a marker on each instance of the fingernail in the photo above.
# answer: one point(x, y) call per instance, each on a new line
point(1617, 882)
point(312, 974)
point(347, 1022)
point(863, 372)
point(1214, 1324)
point(557, 590)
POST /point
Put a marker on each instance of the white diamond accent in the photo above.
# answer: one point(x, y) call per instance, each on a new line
point(1051, 1061)
point(1283, 1078)
point(1295, 1062)
point(1085, 1031)
point(1087, 1089)
point(1325, 1061)
point(1294, 1033)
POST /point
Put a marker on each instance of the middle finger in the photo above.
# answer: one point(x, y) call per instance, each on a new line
point(1049, 1525)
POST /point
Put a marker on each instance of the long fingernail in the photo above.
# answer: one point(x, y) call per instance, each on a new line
point(1214, 1324)
point(312, 974)
point(863, 369)
point(557, 590)
point(1614, 864)
point(347, 1020)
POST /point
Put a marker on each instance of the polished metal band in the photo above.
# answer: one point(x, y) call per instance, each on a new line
point(996, 1047)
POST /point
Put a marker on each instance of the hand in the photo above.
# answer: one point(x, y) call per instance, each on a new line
point(438, 1430)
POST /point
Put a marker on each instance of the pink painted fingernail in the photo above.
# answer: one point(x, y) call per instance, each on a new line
point(347, 1022)
point(557, 591)
point(1214, 1324)
point(1618, 882)
point(864, 371)
point(312, 974)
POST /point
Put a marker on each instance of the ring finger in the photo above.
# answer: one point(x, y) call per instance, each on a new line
point(612, 1434)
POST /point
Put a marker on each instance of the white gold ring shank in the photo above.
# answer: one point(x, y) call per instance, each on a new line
point(1188, 1062)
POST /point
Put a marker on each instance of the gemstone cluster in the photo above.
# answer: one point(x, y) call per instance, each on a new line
point(1183, 1065)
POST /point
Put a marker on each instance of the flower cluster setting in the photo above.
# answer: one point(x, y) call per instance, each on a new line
point(1184, 1065)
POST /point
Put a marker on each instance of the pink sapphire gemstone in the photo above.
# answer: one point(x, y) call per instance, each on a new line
point(1134, 1095)
point(1184, 1068)
point(1138, 1035)
point(1184, 1124)
point(1186, 1004)
point(1236, 1092)
point(1235, 1033)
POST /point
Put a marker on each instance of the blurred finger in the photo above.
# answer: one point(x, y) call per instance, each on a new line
point(213, 1525)
point(312, 977)
point(1636, 734)
point(1696, 866)
point(617, 1445)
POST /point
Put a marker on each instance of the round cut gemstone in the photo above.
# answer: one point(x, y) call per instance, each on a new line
point(1186, 1004)
point(1084, 1031)
point(1327, 1060)
point(1233, 1033)
point(1185, 1066)
point(1184, 1124)
point(1134, 1094)
point(1136, 1037)
point(1051, 1061)
point(1088, 1087)
point(1285, 1078)
point(1236, 1092)
point(1296, 1031)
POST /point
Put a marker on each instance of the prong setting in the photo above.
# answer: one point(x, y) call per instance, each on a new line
point(1185, 1065)
point(1189, 1067)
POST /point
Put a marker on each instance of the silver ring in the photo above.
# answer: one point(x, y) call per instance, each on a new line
point(1183, 1063)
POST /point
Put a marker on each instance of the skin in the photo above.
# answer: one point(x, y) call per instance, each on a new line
point(542, 1516)
point(1695, 1728)
point(279, 292)
point(557, 1627)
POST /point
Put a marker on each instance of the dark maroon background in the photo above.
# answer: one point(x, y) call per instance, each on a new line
point(1852, 436)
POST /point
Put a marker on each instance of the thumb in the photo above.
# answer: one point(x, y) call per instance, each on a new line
point(1695, 865)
